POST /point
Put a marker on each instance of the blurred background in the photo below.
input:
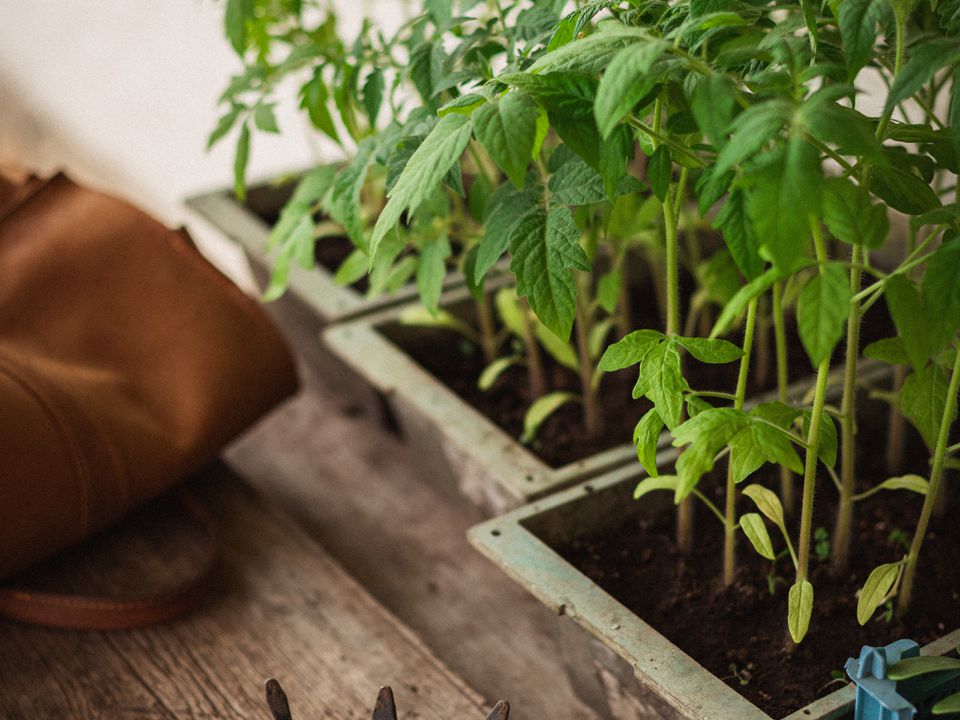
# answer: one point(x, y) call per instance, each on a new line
point(122, 94)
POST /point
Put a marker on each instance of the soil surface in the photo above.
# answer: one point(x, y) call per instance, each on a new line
point(740, 633)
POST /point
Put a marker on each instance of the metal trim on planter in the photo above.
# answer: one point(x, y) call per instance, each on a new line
point(668, 683)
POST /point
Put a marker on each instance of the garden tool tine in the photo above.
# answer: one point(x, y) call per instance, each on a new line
point(385, 708)
point(277, 701)
point(501, 711)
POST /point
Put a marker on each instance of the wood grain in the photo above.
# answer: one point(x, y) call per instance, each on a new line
point(284, 609)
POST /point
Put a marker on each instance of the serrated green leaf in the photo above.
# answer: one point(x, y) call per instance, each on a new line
point(909, 316)
point(705, 435)
point(424, 171)
point(629, 350)
point(756, 532)
point(224, 125)
point(651, 484)
point(590, 54)
point(713, 102)
point(923, 401)
point(544, 249)
point(508, 130)
point(822, 311)
point(799, 609)
point(431, 271)
point(858, 29)
point(495, 369)
point(888, 350)
point(940, 294)
point(344, 205)
point(903, 190)
point(662, 381)
point(851, 217)
point(712, 351)
point(921, 665)
point(922, 64)
point(734, 223)
point(757, 444)
point(752, 129)
point(827, 444)
point(646, 438)
point(541, 410)
point(313, 98)
point(626, 80)
point(505, 207)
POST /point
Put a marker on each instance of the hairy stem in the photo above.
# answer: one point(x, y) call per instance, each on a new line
point(936, 473)
point(848, 424)
point(592, 416)
point(896, 425)
point(730, 514)
point(787, 495)
point(535, 369)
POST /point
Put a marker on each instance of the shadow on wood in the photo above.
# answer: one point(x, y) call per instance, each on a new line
point(385, 709)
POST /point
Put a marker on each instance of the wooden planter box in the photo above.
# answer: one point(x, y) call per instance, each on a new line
point(313, 300)
point(621, 666)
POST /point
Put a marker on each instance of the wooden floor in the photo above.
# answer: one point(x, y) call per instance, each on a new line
point(357, 491)
point(284, 609)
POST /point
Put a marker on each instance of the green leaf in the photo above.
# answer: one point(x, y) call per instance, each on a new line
point(913, 483)
point(786, 191)
point(734, 223)
point(662, 381)
point(850, 131)
point(416, 316)
point(913, 324)
point(767, 502)
point(921, 665)
point(542, 409)
point(646, 437)
point(351, 269)
point(423, 172)
point(608, 290)
point(923, 401)
point(508, 129)
point(903, 190)
point(715, 352)
point(940, 293)
point(235, 23)
point(544, 248)
point(559, 350)
point(875, 590)
point(948, 706)
point(463, 104)
point(660, 172)
point(505, 207)
point(756, 532)
point(733, 309)
point(706, 434)
point(240, 160)
point(373, 95)
point(753, 128)
point(925, 59)
point(822, 311)
point(495, 369)
point(758, 443)
point(626, 81)
point(888, 350)
point(590, 54)
point(630, 350)
point(224, 125)
point(651, 484)
point(576, 183)
point(344, 205)
point(431, 271)
point(313, 98)
point(827, 443)
point(799, 609)
point(713, 103)
point(851, 217)
point(858, 29)
point(265, 120)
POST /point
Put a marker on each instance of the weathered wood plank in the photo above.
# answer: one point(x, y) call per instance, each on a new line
point(284, 609)
point(357, 490)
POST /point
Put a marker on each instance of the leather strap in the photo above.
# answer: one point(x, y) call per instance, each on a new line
point(80, 612)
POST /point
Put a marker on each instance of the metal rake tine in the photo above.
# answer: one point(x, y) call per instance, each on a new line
point(277, 701)
point(385, 708)
point(501, 711)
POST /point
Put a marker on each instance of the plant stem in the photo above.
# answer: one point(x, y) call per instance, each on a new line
point(592, 415)
point(813, 435)
point(730, 522)
point(624, 316)
point(780, 344)
point(936, 473)
point(686, 508)
point(848, 424)
point(535, 369)
point(488, 333)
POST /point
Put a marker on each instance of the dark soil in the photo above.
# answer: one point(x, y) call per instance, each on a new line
point(740, 633)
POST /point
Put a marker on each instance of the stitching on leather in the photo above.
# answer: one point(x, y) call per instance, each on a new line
point(81, 473)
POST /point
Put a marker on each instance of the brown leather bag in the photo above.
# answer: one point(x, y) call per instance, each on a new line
point(126, 362)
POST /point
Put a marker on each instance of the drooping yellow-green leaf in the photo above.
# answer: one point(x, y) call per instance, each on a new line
point(799, 609)
point(875, 590)
point(756, 532)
